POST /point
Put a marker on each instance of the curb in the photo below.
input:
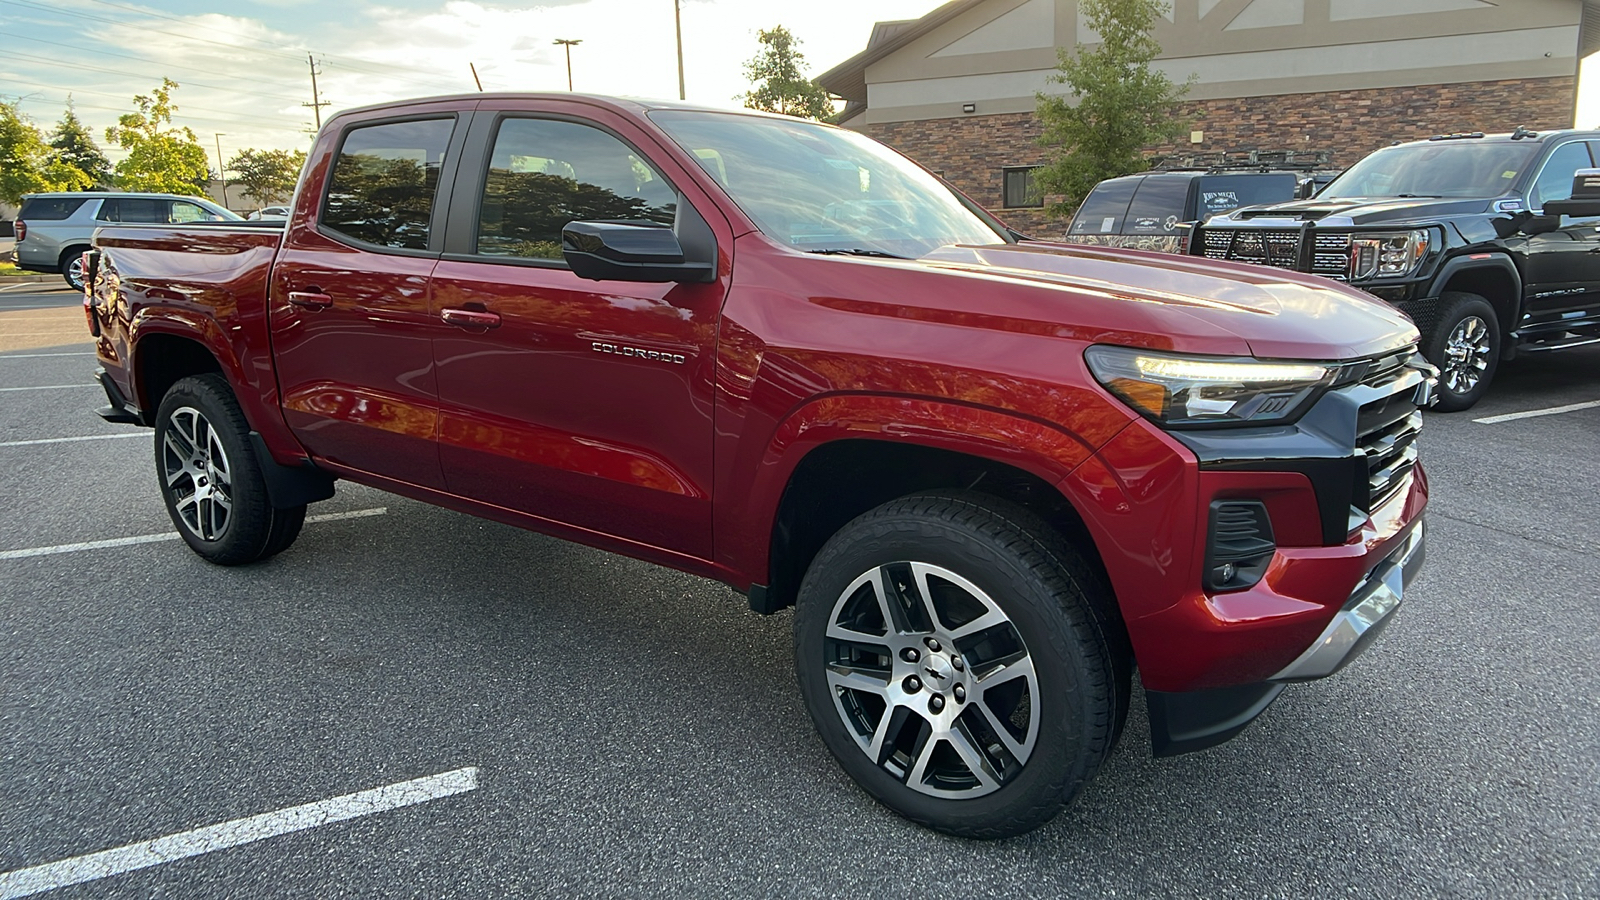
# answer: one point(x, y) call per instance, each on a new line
point(28, 279)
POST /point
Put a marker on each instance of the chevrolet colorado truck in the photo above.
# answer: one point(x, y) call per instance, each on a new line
point(1479, 238)
point(994, 477)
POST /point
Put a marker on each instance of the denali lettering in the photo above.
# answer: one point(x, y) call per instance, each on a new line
point(654, 355)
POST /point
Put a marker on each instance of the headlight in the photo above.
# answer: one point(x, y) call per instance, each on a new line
point(1386, 255)
point(1207, 390)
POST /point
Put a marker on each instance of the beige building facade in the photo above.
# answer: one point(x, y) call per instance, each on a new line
point(956, 89)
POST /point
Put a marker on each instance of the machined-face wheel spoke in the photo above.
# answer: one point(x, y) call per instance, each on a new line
point(197, 474)
point(911, 647)
point(1467, 352)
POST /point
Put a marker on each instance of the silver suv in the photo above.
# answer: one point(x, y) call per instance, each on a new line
point(53, 230)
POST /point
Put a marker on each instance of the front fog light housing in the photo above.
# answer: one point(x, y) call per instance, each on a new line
point(1386, 255)
point(1207, 390)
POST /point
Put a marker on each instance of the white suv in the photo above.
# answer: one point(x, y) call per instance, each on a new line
point(53, 230)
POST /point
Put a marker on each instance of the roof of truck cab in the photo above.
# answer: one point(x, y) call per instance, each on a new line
point(635, 105)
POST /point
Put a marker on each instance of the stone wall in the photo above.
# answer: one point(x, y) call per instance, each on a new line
point(972, 151)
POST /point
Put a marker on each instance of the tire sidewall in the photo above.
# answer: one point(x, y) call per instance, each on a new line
point(1455, 308)
point(1063, 755)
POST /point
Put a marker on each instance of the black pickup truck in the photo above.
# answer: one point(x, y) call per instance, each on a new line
point(1479, 238)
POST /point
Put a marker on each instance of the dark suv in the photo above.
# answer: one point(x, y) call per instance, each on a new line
point(1151, 210)
point(1459, 232)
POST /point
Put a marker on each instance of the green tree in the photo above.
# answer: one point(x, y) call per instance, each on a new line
point(160, 157)
point(1117, 106)
point(26, 163)
point(74, 146)
point(267, 175)
point(778, 75)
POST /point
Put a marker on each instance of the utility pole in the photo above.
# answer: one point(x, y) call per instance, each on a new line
point(475, 79)
point(569, 44)
point(677, 21)
point(317, 103)
point(221, 174)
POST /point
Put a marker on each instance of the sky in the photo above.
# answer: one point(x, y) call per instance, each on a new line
point(243, 73)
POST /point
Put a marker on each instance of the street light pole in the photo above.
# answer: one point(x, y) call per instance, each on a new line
point(677, 21)
point(221, 174)
point(569, 44)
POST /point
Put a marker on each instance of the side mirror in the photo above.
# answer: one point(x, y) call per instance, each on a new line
point(643, 251)
point(1585, 200)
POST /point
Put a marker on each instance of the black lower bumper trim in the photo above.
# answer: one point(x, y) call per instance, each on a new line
point(1183, 722)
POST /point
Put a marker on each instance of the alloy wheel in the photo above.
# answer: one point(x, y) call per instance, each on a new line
point(1466, 355)
point(932, 679)
point(75, 272)
point(196, 472)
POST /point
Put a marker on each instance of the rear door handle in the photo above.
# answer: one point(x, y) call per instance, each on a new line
point(471, 318)
point(310, 300)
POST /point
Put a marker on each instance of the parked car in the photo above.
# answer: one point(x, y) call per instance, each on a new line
point(1153, 210)
point(270, 213)
point(54, 229)
point(1457, 231)
point(995, 477)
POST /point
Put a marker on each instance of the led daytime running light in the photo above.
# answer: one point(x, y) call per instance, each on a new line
point(1227, 372)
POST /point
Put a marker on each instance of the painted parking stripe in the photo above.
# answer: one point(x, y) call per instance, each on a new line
point(211, 838)
point(165, 536)
point(42, 355)
point(68, 440)
point(1535, 413)
point(51, 387)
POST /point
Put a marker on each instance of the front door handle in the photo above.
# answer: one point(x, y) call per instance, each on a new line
point(471, 318)
point(310, 299)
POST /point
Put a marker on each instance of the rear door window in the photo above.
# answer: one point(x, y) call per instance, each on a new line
point(1157, 205)
point(50, 209)
point(385, 180)
point(1106, 206)
point(190, 212)
point(135, 210)
point(1224, 193)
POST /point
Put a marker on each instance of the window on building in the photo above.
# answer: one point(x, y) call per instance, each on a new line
point(1021, 188)
point(545, 173)
point(384, 182)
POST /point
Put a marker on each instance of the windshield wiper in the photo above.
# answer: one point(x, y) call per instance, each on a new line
point(857, 251)
point(1421, 196)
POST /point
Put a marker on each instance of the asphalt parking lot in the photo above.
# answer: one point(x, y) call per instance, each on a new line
point(603, 727)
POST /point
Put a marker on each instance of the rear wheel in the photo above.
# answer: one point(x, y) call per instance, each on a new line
point(71, 263)
point(1465, 345)
point(954, 656)
point(210, 479)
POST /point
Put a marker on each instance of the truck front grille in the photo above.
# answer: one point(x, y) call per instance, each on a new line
point(1386, 427)
point(1280, 248)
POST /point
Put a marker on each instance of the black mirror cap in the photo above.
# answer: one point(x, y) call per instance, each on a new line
point(633, 250)
point(1577, 208)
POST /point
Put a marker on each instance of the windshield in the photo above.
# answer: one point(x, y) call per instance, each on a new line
point(821, 189)
point(1471, 168)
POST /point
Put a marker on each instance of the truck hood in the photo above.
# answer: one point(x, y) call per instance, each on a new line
point(1356, 211)
point(1185, 303)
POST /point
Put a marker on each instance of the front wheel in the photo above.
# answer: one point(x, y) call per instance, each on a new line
point(1465, 345)
point(956, 661)
point(210, 479)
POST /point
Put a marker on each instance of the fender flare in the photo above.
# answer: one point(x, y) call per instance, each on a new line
point(1492, 260)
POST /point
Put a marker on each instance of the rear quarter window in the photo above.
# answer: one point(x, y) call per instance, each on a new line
point(1158, 205)
point(50, 209)
point(1106, 206)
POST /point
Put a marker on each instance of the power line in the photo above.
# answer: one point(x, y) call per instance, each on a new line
point(55, 63)
point(225, 115)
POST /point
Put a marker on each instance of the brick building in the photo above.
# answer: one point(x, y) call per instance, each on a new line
point(955, 88)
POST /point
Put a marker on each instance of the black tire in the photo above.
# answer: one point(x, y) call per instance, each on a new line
point(1465, 344)
point(1056, 614)
point(210, 480)
point(71, 263)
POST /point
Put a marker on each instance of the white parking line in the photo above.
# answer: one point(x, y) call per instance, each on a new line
point(165, 536)
point(1534, 413)
point(68, 440)
point(52, 387)
point(42, 355)
point(211, 838)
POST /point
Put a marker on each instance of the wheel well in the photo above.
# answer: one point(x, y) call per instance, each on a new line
point(839, 481)
point(68, 253)
point(1493, 284)
point(163, 359)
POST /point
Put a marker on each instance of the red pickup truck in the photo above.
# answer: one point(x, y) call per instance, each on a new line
point(993, 476)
